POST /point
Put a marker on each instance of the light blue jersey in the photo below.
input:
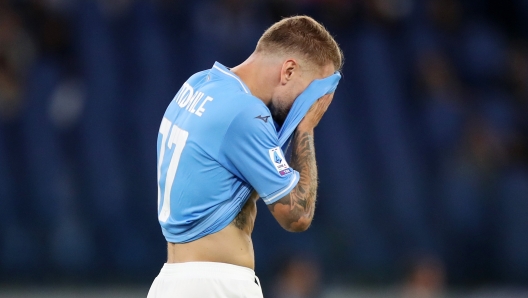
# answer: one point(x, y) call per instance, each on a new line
point(217, 142)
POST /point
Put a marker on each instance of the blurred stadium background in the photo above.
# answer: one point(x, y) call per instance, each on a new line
point(423, 155)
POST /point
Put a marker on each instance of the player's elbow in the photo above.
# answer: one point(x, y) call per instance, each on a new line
point(300, 225)
point(291, 220)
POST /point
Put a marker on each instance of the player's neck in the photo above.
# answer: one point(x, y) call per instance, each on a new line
point(255, 73)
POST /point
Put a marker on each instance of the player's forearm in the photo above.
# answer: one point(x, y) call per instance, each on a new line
point(303, 161)
point(297, 208)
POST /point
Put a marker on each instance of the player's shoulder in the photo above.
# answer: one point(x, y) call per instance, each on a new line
point(237, 103)
point(251, 115)
point(197, 77)
point(253, 108)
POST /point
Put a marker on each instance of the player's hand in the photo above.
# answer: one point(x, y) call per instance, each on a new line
point(316, 112)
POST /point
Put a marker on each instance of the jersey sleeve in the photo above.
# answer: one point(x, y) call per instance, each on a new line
point(251, 151)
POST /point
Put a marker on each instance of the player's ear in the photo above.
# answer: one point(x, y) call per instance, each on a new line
point(288, 70)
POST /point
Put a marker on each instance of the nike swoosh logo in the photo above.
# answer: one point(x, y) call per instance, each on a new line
point(263, 118)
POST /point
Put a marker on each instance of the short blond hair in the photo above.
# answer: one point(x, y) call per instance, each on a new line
point(305, 36)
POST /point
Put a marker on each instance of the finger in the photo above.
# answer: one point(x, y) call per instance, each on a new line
point(321, 105)
point(325, 101)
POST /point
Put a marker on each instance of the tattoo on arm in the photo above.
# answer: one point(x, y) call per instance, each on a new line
point(302, 198)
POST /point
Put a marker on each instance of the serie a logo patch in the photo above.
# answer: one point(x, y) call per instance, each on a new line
point(279, 161)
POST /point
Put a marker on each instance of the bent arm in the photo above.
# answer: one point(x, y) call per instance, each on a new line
point(295, 211)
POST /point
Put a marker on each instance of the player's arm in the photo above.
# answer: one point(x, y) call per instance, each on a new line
point(295, 211)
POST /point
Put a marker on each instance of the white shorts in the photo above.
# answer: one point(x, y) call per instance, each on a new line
point(205, 279)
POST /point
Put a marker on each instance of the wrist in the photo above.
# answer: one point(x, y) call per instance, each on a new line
point(305, 128)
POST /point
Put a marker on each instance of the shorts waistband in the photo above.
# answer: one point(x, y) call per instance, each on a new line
point(208, 269)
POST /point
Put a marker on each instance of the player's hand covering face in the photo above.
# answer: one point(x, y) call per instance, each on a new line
point(294, 79)
point(317, 96)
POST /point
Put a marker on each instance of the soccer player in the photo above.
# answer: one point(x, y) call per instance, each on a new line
point(219, 152)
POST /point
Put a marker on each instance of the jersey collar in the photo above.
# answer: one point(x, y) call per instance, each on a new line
point(221, 70)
